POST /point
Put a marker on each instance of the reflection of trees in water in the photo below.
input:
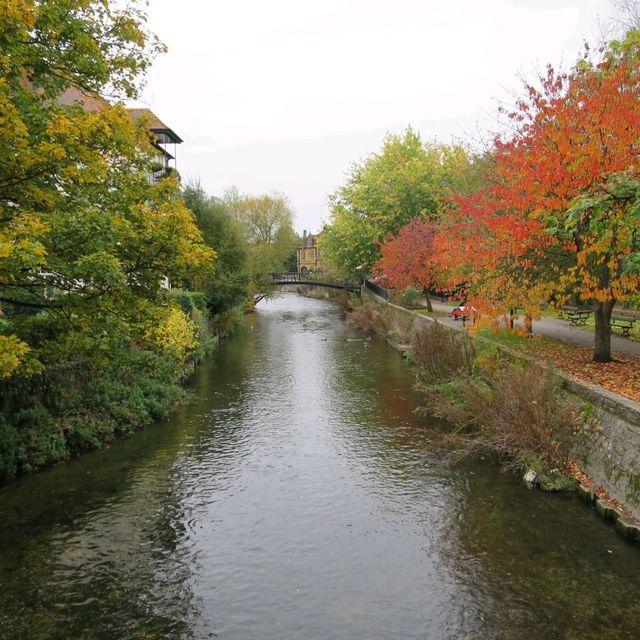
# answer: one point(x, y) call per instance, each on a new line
point(521, 562)
point(373, 401)
point(371, 394)
point(539, 564)
point(113, 570)
point(134, 560)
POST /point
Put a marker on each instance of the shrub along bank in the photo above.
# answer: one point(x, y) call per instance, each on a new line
point(79, 405)
point(493, 403)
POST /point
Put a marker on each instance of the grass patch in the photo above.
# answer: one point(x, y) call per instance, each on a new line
point(511, 339)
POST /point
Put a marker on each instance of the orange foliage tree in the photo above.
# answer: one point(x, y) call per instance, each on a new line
point(560, 218)
point(487, 253)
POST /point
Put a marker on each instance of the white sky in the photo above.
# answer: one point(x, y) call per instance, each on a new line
point(286, 94)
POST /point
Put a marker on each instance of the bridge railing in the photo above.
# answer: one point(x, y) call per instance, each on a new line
point(327, 280)
point(377, 289)
point(286, 277)
point(319, 279)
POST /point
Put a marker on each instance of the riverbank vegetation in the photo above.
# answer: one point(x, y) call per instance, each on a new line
point(252, 236)
point(498, 405)
point(547, 214)
point(91, 345)
point(493, 402)
point(93, 342)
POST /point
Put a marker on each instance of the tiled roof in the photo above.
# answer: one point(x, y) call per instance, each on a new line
point(94, 102)
point(89, 102)
point(150, 118)
point(155, 124)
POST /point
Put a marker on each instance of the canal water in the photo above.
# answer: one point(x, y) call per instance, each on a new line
point(296, 496)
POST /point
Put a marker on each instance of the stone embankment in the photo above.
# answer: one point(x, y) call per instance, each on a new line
point(607, 449)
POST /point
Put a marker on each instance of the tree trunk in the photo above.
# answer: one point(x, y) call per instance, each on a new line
point(528, 323)
point(602, 343)
point(428, 297)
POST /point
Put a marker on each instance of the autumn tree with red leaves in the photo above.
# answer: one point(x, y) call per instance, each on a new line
point(408, 258)
point(486, 252)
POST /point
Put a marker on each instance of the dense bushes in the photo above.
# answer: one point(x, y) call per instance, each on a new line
point(66, 409)
point(79, 405)
point(31, 440)
point(82, 407)
point(189, 301)
point(495, 403)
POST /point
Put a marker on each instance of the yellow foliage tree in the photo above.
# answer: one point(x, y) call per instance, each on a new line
point(85, 239)
point(175, 335)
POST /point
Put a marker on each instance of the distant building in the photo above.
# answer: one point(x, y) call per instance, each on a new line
point(308, 255)
point(163, 138)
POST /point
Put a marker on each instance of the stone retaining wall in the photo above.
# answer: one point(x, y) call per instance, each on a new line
point(608, 449)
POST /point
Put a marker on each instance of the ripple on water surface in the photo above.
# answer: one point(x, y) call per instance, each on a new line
point(296, 496)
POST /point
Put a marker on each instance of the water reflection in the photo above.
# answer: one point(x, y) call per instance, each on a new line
point(116, 569)
point(541, 561)
point(296, 496)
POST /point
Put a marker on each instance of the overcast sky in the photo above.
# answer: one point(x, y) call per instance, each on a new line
point(285, 95)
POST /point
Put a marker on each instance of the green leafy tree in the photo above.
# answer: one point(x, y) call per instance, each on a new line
point(267, 221)
point(407, 180)
point(85, 239)
point(90, 345)
point(228, 286)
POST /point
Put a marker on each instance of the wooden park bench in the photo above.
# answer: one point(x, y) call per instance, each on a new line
point(578, 317)
point(625, 323)
point(565, 310)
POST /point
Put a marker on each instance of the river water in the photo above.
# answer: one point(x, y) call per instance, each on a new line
point(295, 496)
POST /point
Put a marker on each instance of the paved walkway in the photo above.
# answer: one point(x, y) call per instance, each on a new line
point(559, 330)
